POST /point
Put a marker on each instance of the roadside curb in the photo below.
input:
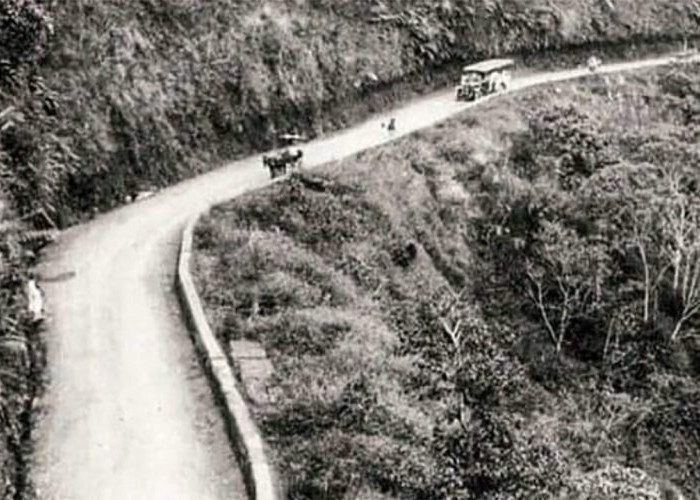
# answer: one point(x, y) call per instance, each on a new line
point(244, 434)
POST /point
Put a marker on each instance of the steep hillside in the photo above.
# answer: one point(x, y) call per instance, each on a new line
point(505, 306)
point(24, 33)
point(143, 93)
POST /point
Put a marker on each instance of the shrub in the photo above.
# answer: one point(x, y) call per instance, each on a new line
point(492, 457)
point(615, 483)
point(324, 466)
point(298, 335)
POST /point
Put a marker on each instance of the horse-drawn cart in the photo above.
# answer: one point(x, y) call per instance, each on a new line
point(288, 158)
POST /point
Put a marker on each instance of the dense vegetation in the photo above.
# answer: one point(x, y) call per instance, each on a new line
point(101, 99)
point(503, 307)
point(24, 33)
point(137, 94)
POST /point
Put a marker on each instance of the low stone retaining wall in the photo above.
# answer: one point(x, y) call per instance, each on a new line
point(244, 434)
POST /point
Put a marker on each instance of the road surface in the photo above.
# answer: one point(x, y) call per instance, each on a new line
point(127, 413)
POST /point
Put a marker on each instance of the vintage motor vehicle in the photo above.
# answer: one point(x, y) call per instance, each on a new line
point(484, 78)
point(287, 157)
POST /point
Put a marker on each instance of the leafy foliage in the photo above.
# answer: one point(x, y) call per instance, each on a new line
point(526, 349)
point(25, 28)
point(31, 157)
point(134, 98)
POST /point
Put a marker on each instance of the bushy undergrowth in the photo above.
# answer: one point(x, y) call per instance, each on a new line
point(466, 314)
point(30, 155)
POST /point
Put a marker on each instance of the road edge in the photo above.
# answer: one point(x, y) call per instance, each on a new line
point(244, 434)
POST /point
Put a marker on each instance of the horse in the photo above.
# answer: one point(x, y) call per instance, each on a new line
point(277, 166)
point(292, 159)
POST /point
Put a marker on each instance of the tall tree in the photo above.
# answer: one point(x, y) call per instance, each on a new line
point(680, 232)
point(564, 278)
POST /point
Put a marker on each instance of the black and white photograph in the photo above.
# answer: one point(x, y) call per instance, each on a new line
point(350, 250)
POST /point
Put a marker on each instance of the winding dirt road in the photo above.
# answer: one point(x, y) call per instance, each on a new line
point(127, 413)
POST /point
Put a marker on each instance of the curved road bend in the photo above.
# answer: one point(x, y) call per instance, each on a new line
point(127, 413)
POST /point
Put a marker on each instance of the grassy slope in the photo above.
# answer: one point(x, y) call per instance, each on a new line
point(371, 397)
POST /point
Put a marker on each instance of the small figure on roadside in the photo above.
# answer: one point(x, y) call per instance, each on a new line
point(593, 64)
point(35, 299)
point(392, 125)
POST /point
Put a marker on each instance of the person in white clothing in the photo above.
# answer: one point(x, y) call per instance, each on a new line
point(35, 299)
